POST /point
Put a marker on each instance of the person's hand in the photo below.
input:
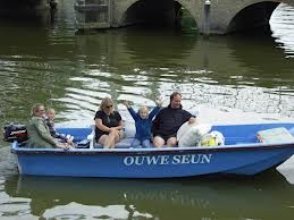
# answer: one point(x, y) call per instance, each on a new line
point(192, 120)
point(59, 145)
point(159, 102)
point(70, 140)
point(114, 129)
point(126, 103)
point(119, 127)
point(63, 146)
point(68, 147)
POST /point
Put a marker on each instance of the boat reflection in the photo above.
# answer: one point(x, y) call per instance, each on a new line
point(208, 198)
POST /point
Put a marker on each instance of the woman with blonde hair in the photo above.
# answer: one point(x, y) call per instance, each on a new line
point(108, 124)
point(38, 131)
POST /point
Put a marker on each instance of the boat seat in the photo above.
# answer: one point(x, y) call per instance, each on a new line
point(241, 140)
point(123, 143)
point(129, 134)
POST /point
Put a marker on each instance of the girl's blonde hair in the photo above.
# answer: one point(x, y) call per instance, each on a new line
point(143, 107)
point(50, 110)
point(106, 102)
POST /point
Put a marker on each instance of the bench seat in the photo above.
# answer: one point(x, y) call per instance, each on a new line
point(123, 143)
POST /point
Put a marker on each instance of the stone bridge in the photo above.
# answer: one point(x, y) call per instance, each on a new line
point(224, 16)
point(17, 6)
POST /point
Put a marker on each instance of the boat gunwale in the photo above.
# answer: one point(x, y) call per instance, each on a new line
point(152, 151)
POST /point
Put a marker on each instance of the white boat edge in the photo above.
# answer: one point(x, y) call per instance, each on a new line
point(286, 169)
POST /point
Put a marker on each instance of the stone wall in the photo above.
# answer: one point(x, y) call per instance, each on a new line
point(25, 5)
point(93, 14)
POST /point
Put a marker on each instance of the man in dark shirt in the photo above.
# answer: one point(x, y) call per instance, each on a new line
point(169, 120)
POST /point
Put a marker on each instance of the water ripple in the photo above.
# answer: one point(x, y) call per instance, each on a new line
point(79, 211)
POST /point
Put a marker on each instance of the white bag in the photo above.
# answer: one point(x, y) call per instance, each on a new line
point(191, 134)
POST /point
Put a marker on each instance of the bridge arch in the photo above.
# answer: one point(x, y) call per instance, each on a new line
point(251, 14)
point(128, 7)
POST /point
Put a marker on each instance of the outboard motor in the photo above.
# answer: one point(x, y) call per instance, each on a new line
point(15, 132)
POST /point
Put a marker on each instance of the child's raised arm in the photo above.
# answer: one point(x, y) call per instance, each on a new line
point(131, 110)
point(159, 102)
point(156, 109)
point(126, 103)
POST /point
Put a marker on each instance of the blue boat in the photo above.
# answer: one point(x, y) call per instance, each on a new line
point(242, 154)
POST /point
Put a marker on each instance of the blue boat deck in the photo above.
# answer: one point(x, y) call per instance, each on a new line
point(245, 134)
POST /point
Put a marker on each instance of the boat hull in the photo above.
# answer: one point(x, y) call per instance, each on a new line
point(243, 154)
point(152, 163)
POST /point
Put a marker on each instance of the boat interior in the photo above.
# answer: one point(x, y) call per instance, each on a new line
point(239, 134)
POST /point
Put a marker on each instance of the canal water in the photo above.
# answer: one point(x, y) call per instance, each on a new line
point(226, 79)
